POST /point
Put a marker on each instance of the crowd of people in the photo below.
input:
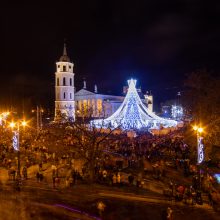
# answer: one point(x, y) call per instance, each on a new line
point(125, 160)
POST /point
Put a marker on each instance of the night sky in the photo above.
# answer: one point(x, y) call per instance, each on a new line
point(156, 42)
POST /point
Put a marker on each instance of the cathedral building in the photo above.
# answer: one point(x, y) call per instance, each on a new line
point(94, 104)
point(97, 105)
point(84, 103)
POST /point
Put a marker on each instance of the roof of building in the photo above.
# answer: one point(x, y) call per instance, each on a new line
point(84, 92)
point(64, 57)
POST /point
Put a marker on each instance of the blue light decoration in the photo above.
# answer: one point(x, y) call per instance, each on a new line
point(15, 140)
point(217, 176)
point(177, 111)
point(200, 150)
point(133, 114)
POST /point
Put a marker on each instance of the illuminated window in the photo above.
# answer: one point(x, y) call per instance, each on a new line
point(80, 105)
point(58, 83)
point(64, 95)
point(64, 81)
point(64, 68)
point(93, 105)
point(85, 105)
point(99, 105)
point(70, 81)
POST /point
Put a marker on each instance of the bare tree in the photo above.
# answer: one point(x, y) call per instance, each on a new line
point(203, 99)
point(91, 143)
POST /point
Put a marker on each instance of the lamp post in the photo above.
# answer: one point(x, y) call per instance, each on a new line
point(16, 130)
point(200, 149)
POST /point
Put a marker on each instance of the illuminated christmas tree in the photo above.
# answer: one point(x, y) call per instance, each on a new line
point(133, 114)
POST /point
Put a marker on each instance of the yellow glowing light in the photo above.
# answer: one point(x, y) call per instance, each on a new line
point(200, 130)
point(195, 127)
point(23, 123)
point(12, 125)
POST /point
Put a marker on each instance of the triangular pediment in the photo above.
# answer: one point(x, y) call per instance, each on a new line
point(84, 92)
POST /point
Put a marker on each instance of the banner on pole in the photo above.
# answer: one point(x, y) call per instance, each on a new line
point(200, 150)
point(15, 140)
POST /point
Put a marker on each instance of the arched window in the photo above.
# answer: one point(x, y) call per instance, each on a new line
point(64, 95)
point(64, 68)
point(70, 95)
point(70, 81)
point(64, 81)
point(58, 83)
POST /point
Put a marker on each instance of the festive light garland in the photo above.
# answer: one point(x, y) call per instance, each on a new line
point(200, 150)
point(176, 111)
point(133, 114)
point(15, 141)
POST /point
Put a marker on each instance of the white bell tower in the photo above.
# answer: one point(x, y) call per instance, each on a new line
point(64, 89)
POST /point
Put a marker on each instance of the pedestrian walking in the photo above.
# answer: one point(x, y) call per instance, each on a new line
point(114, 179)
point(169, 214)
point(101, 208)
point(24, 172)
point(130, 179)
point(118, 179)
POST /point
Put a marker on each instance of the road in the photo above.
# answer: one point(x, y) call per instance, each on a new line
point(41, 202)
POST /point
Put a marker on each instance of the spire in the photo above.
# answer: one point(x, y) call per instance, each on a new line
point(95, 89)
point(64, 57)
point(64, 49)
point(84, 84)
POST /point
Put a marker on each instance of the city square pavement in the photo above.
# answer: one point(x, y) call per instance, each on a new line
point(39, 200)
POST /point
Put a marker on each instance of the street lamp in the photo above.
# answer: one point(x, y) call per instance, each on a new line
point(15, 126)
point(200, 148)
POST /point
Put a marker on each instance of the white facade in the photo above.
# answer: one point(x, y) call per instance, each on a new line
point(64, 89)
point(149, 101)
point(91, 104)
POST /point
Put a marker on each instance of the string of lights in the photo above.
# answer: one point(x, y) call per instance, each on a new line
point(133, 114)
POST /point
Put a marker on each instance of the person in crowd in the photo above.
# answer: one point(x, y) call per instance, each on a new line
point(169, 214)
point(114, 180)
point(101, 208)
point(130, 179)
point(24, 172)
point(118, 179)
